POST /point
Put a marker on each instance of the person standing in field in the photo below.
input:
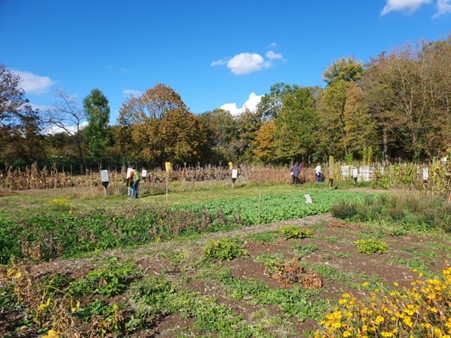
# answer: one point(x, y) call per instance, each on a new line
point(295, 171)
point(135, 184)
point(318, 172)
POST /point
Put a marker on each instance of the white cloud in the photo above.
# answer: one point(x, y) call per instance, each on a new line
point(131, 92)
point(219, 62)
point(408, 6)
point(273, 56)
point(51, 130)
point(245, 63)
point(34, 84)
point(251, 104)
point(272, 45)
point(443, 7)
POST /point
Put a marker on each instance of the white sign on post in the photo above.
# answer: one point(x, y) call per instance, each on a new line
point(308, 199)
point(104, 176)
point(425, 174)
point(129, 171)
point(234, 173)
point(144, 173)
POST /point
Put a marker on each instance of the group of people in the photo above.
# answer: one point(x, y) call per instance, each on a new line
point(297, 168)
point(132, 182)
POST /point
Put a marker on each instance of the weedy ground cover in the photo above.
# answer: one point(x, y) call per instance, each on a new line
point(209, 276)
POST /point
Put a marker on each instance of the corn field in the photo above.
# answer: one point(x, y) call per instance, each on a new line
point(405, 176)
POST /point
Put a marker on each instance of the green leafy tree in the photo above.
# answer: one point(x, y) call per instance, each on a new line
point(296, 125)
point(97, 133)
point(359, 127)
point(271, 104)
point(222, 135)
point(331, 111)
point(249, 123)
point(348, 70)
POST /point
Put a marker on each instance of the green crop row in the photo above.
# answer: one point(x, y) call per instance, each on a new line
point(65, 233)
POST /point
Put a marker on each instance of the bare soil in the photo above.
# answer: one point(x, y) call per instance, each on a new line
point(333, 239)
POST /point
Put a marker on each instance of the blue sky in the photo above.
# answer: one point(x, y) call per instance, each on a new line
point(213, 53)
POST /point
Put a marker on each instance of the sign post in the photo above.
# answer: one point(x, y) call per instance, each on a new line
point(168, 168)
point(234, 177)
point(105, 179)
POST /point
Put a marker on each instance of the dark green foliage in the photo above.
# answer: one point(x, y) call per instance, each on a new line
point(344, 209)
point(109, 281)
point(58, 233)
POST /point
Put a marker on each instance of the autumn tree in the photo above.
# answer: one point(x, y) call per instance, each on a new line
point(407, 91)
point(264, 143)
point(97, 133)
point(19, 122)
point(156, 123)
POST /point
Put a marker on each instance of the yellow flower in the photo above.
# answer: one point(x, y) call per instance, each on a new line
point(51, 334)
point(365, 284)
point(408, 322)
point(379, 319)
point(346, 334)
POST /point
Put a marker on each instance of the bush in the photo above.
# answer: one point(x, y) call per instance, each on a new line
point(225, 249)
point(370, 246)
point(344, 210)
point(293, 231)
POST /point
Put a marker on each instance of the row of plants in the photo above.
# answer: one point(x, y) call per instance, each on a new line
point(413, 211)
point(60, 231)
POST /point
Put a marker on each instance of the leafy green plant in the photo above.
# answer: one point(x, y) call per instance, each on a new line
point(225, 249)
point(305, 250)
point(263, 237)
point(371, 246)
point(293, 231)
point(109, 281)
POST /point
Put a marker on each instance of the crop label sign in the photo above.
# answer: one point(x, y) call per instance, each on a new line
point(104, 175)
point(308, 199)
point(234, 173)
point(129, 171)
point(168, 166)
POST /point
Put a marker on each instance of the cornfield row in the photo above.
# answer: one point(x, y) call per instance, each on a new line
point(409, 176)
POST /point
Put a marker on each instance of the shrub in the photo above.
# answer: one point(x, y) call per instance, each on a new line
point(293, 231)
point(370, 246)
point(344, 210)
point(225, 249)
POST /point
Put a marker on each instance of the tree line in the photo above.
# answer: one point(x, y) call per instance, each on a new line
point(395, 106)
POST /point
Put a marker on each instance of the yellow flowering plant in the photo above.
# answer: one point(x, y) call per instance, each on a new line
point(422, 310)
